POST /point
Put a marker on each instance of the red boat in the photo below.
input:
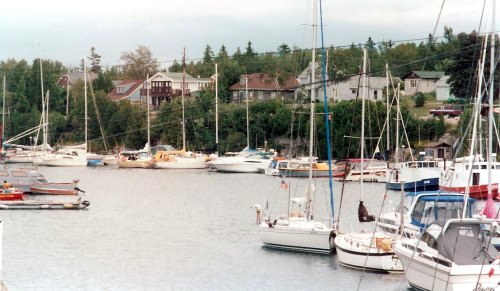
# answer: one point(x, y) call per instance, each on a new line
point(475, 191)
point(11, 194)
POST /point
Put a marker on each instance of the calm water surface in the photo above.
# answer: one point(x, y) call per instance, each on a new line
point(174, 230)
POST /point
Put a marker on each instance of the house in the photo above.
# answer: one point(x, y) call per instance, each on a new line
point(421, 81)
point(353, 87)
point(70, 79)
point(443, 89)
point(126, 90)
point(439, 150)
point(163, 88)
point(262, 86)
point(305, 80)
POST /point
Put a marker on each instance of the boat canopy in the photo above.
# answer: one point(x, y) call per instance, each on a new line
point(465, 243)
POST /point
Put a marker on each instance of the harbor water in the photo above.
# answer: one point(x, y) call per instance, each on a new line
point(176, 230)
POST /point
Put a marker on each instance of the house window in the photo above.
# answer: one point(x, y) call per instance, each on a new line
point(413, 83)
point(375, 94)
point(354, 91)
point(260, 95)
point(273, 95)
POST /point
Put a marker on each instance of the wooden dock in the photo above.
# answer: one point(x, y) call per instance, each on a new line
point(44, 205)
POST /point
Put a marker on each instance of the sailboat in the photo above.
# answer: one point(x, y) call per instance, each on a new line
point(473, 174)
point(32, 153)
point(75, 156)
point(138, 158)
point(413, 175)
point(180, 159)
point(366, 250)
point(459, 254)
point(297, 230)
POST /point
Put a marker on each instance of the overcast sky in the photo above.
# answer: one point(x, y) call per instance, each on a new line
point(60, 30)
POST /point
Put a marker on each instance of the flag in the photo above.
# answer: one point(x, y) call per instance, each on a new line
point(284, 185)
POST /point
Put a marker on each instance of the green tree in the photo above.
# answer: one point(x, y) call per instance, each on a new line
point(139, 63)
point(95, 61)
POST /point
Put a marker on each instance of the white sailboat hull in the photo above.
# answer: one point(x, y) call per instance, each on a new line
point(65, 163)
point(424, 273)
point(182, 163)
point(299, 235)
point(356, 250)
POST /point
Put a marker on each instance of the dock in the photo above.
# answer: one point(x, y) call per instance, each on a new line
point(44, 205)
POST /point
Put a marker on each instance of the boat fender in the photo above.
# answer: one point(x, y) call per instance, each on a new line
point(68, 205)
point(332, 242)
point(123, 159)
point(45, 206)
point(495, 263)
point(3, 206)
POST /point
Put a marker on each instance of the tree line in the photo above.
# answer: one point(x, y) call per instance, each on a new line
point(271, 122)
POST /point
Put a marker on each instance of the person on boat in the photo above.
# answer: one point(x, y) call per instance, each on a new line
point(6, 186)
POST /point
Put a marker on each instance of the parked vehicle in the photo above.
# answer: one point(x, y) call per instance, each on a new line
point(449, 110)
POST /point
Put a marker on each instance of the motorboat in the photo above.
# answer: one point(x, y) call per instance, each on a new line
point(415, 175)
point(420, 209)
point(253, 162)
point(456, 255)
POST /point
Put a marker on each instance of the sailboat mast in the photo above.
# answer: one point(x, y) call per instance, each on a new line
point(248, 122)
point(387, 105)
point(362, 140)
point(147, 102)
point(182, 99)
point(216, 110)
point(85, 102)
point(398, 116)
point(44, 117)
point(311, 125)
point(490, 111)
point(3, 111)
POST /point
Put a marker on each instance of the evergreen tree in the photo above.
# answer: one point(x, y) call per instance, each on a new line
point(95, 61)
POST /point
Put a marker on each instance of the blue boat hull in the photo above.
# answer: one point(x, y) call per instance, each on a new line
point(430, 184)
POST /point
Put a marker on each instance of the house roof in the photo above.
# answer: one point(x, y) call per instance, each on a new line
point(261, 81)
point(130, 85)
point(443, 82)
point(177, 77)
point(73, 77)
point(437, 144)
point(424, 75)
point(372, 82)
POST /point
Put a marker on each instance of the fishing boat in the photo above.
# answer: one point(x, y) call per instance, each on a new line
point(458, 255)
point(297, 230)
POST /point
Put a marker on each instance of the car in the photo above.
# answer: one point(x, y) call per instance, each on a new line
point(449, 110)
